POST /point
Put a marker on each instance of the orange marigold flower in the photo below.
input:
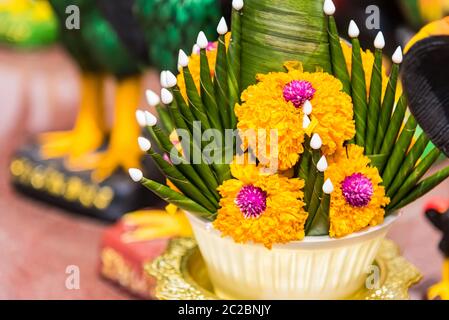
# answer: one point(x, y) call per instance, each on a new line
point(275, 103)
point(261, 208)
point(359, 198)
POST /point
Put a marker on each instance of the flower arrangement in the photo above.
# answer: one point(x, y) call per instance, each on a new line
point(333, 152)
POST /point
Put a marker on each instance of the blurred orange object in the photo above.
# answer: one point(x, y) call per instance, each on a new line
point(138, 238)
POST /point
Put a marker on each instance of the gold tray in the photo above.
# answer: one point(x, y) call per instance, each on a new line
point(182, 274)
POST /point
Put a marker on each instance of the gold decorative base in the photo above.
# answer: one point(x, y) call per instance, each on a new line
point(182, 274)
point(49, 180)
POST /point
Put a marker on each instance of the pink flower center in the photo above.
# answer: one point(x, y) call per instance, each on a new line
point(298, 91)
point(357, 190)
point(252, 201)
point(211, 46)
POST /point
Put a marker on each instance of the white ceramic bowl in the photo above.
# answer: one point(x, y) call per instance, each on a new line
point(315, 268)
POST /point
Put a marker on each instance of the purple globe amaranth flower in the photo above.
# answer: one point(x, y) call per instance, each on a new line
point(298, 91)
point(252, 201)
point(357, 190)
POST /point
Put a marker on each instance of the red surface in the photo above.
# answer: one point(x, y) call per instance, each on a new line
point(135, 254)
point(38, 242)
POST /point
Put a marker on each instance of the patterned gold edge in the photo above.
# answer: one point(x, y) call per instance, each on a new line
point(176, 282)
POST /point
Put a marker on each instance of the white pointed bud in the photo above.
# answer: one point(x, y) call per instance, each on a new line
point(144, 144)
point(305, 122)
point(153, 98)
point(237, 4)
point(222, 26)
point(329, 7)
point(166, 96)
point(163, 79)
point(171, 79)
point(135, 174)
point(328, 187)
point(140, 117)
point(307, 108)
point(201, 41)
point(150, 119)
point(379, 41)
point(316, 142)
point(183, 59)
point(353, 30)
point(322, 164)
point(397, 56)
point(196, 49)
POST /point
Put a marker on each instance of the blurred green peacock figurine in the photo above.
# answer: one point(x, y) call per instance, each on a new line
point(27, 24)
point(121, 39)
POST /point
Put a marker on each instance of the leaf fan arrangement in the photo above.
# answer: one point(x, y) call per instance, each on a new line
point(384, 143)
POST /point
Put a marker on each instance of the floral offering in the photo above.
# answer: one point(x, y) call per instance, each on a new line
point(344, 149)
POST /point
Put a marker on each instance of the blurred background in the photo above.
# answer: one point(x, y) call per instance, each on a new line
point(40, 92)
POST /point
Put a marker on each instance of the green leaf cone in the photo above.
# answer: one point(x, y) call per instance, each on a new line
point(423, 187)
point(311, 177)
point(234, 64)
point(358, 89)
point(409, 163)
point(221, 84)
point(305, 160)
point(276, 31)
point(194, 99)
point(396, 122)
point(194, 148)
point(166, 146)
point(183, 107)
point(165, 118)
point(177, 199)
point(400, 150)
point(315, 200)
point(414, 177)
point(387, 108)
point(208, 92)
point(319, 226)
point(182, 183)
point(375, 99)
point(339, 67)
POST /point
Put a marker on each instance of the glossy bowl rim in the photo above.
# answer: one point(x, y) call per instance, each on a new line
point(309, 241)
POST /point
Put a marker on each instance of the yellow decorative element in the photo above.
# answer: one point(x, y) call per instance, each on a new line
point(182, 274)
point(441, 289)
point(90, 128)
point(40, 10)
point(397, 275)
point(264, 108)
point(194, 66)
point(122, 152)
point(171, 209)
point(172, 272)
point(440, 27)
point(149, 225)
point(114, 267)
point(283, 219)
point(432, 10)
point(344, 218)
point(56, 183)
